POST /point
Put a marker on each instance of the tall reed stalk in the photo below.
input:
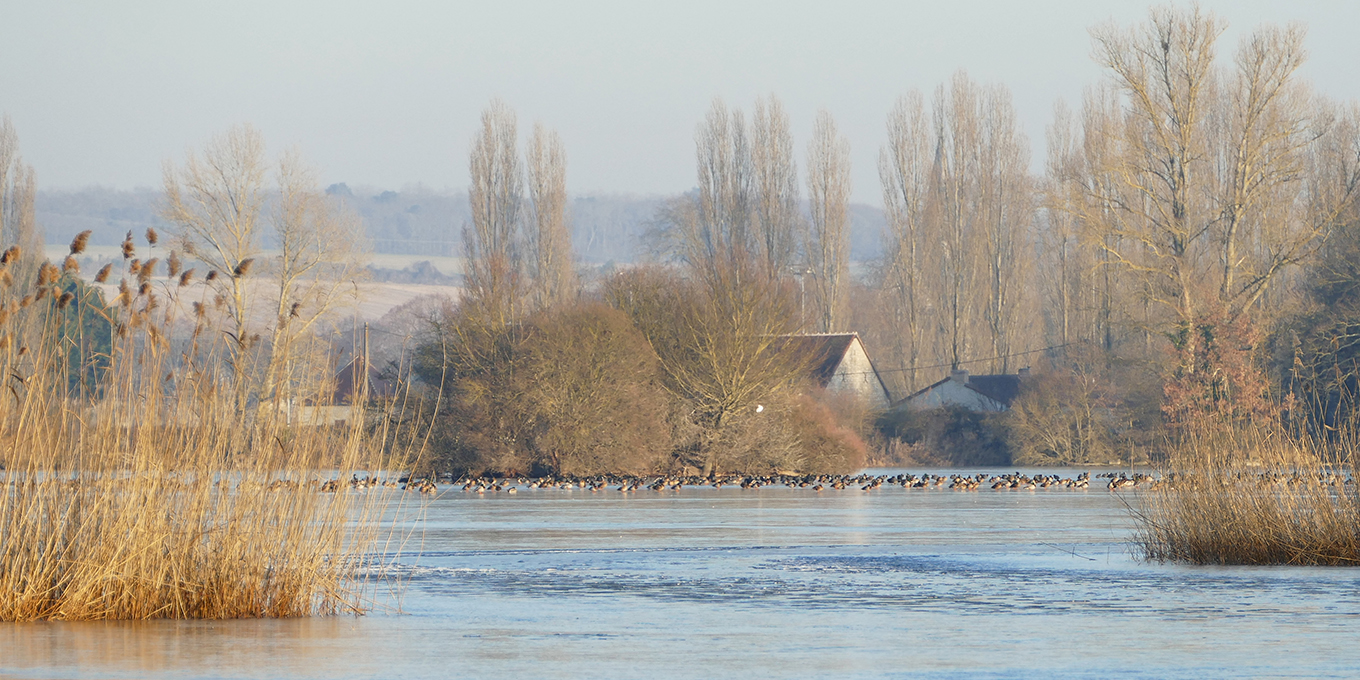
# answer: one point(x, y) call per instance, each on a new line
point(140, 483)
point(1254, 496)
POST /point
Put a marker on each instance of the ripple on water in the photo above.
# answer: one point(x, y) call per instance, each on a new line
point(946, 583)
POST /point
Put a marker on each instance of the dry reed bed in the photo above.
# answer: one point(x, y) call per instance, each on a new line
point(144, 548)
point(142, 487)
point(1252, 499)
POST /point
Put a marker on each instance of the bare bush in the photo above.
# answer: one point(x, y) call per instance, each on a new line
point(472, 365)
point(594, 394)
point(571, 390)
point(1063, 417)
point(951, 436)
point(719, 344)
point(828, 442)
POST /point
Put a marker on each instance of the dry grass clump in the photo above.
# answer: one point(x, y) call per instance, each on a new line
point(1253, 498)
point(140, 481)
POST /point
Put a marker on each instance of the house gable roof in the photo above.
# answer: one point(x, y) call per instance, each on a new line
point(1003, 388)
point(1000, 388)
point(823, 352)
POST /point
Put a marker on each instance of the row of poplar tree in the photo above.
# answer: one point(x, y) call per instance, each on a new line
point(1176, 215)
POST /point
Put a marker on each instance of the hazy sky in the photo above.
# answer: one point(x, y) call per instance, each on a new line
point(388, 94)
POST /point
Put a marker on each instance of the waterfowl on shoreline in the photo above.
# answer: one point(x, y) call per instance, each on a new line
point(1014, 481)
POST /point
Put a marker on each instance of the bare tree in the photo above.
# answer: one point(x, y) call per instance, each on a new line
point(1159, 216)
point(1224, 179)
point(957, 127)
point(722, 229)
point(216, 202)
point(1063, 274)
point(775, 217)
point(904, 168)
point(956, 274)
point(220, 203)
point(722, 349)
point(1165, 71)
point(321, 246)
point(1006, 215)
point(711, 231)
point(1094, 301)
point(1268, 128)
point(18, 223)
point(719, 332)
point(496, 196)
point(554, 275)
point(829, 202)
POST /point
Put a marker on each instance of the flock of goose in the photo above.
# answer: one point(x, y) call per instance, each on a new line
point(1113, 481)
point(957, 482)
point(1015, 481)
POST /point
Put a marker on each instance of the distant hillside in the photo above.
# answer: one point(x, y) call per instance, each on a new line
point(108, 213)
point(415, 221)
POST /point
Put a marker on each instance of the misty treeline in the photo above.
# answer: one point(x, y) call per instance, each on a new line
point(411, 221)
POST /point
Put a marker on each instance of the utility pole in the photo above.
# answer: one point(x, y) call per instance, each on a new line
point(801, 271)
point(364, 393)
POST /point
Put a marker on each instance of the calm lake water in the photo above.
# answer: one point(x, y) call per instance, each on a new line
point(774, 582)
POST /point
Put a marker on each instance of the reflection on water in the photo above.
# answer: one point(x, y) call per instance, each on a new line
point(268, 648)
point(764, 583)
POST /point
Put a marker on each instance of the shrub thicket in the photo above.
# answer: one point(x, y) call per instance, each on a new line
point(1063, 417)
point(950, 436)
point(572, 390)
point(659, 377)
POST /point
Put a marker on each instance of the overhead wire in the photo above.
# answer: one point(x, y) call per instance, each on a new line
point(969, 361)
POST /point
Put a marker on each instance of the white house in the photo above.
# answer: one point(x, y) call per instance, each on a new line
point(838, 362)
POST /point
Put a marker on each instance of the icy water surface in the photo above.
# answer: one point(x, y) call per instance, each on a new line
point(774, 582)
